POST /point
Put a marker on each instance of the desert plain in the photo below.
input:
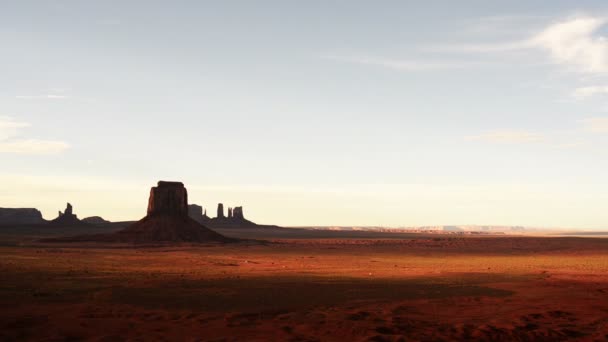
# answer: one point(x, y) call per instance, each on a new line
point(409, 287)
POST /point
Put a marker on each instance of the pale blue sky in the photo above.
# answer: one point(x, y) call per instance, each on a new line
point(310, 112)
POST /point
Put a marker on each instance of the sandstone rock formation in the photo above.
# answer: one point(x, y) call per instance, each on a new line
point(197, 214)
point(95, 220)
point(168, 198)
point(220, 210)
point(235, 219)
point(20, 216)
point(168, 220)
point(237, 213)
point(67, 218)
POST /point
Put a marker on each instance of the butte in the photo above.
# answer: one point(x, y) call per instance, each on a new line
point(167, 221)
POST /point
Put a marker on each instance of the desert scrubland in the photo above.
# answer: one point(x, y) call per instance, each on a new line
point(423, 288)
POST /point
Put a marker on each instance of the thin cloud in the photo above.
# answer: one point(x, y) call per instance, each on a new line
point(585, 92)
point(574, 42)
point(12, 142)
point(9, 127)
point(508, 137)
point(595, 125)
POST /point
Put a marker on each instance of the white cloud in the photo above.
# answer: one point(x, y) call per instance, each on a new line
point(12, 142)
point(585, 92)
point(508, 137)
point(595, 125)
point(574, 42)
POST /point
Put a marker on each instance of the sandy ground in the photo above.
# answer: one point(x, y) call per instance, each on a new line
point(423, 289)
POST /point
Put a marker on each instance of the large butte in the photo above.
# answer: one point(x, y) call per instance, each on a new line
point(167, 219)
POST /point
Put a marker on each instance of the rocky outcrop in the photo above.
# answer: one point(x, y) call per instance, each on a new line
point(220, 210)
point(237, 213)
point(95, 220)
point(197, 213)
point(235, 219)
point(67, 218)
point(168, 220)
point(168, 198)
point(20, 216)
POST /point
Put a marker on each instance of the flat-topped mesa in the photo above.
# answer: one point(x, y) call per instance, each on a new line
point(220, 210)
point(197, 214)
point(20, 216)
point(195, 210)
point(168, 198)
point(95, 220)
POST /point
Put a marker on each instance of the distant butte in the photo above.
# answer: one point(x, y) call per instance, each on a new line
point(197, 213)
point(235, 219)
point(67, 218)
point(167, 221)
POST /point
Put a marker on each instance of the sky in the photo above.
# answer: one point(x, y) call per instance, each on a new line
point(366, 113)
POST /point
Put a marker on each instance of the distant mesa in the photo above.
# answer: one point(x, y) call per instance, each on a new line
point(234, 219)
point(95, 220)
point(198, 214)
point(67, 218)
point(20, 216)
point(167, 221)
